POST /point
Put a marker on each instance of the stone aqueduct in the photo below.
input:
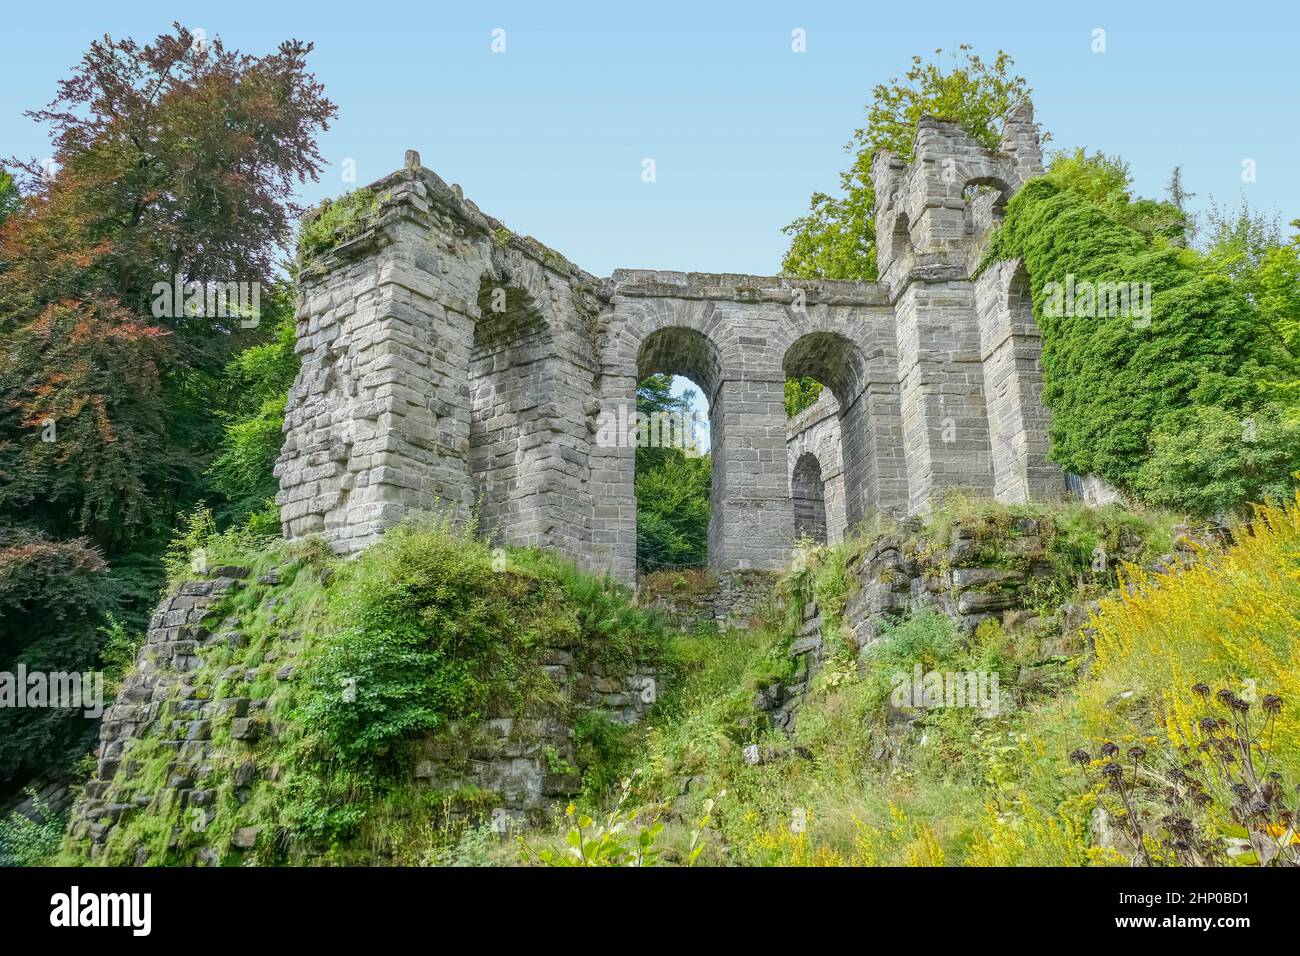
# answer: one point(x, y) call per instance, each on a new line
point(450, 365)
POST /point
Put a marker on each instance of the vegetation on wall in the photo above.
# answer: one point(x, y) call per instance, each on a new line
point(428, 627)
point(1135, 394)
point(864, 782)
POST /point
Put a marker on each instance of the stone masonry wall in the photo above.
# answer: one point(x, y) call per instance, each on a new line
point(450, 365)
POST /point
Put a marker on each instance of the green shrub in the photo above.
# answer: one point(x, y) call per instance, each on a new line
point(28, 841)
point(337, 221)
point(54, 596)
point(423, 630)
point(1113, 383)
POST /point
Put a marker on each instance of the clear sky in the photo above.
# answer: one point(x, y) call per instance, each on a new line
point(550, 135)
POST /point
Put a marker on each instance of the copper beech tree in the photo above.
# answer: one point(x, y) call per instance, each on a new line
point(173, 162)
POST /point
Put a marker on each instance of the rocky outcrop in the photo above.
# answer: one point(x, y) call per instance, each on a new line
point(973, 574)
point(721, 599)
point(173, 704)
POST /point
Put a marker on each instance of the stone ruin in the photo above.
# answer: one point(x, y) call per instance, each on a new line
point(452, 366)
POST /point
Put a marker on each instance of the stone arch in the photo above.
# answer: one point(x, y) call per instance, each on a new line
point(985, 181)
point(509, 376)
point(985, 199)
point(688, 352)
point(839, 364)
point(807, 491)
point(729, 347)
point(831, 359)
point(897, 245)
point(678, 350)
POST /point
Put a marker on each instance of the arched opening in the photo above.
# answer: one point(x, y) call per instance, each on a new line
point(509, 379)
point(833, 431)
point(986, 201)
point(678, 374)
point(808, 494)
point(895, 242)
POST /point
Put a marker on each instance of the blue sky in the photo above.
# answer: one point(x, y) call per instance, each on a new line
point(550, 135)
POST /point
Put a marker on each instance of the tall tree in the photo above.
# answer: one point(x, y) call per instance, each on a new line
point(836, 238)
point(176, 162)
point(1179, 197)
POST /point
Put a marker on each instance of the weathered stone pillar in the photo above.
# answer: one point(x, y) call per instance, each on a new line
point(752, 523)
point(378, 420)
point(945, 424)
point(1010, 347)
point(613, 481)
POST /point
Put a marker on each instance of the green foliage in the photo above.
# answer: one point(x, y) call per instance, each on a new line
point(836, 238)
point(423, 631)
point(625, 837)
point(337, 221)
point(1114, 382)
point(1218, 460)
point(177, 163)
point(1105, 182)
point(197, 545)
point(430, 627)
point(53, 596)
point(672, 489)
point(11, 199)
point(1247, 247)
point(654, 397)
point(673, 514)
point(32, 841)
point(1278, 292)
point(800, 393)
point(603, 749)
point(258, 381)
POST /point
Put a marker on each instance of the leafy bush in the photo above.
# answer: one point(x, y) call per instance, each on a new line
point(1219, 460)
point(673, 513)
point(32, 840)
point(423, 631)
point(53, 597)
point(625, 837)
point(257, 380)
point(1114, 384)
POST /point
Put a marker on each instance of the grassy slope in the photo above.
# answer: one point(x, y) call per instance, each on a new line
point(851, 787)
